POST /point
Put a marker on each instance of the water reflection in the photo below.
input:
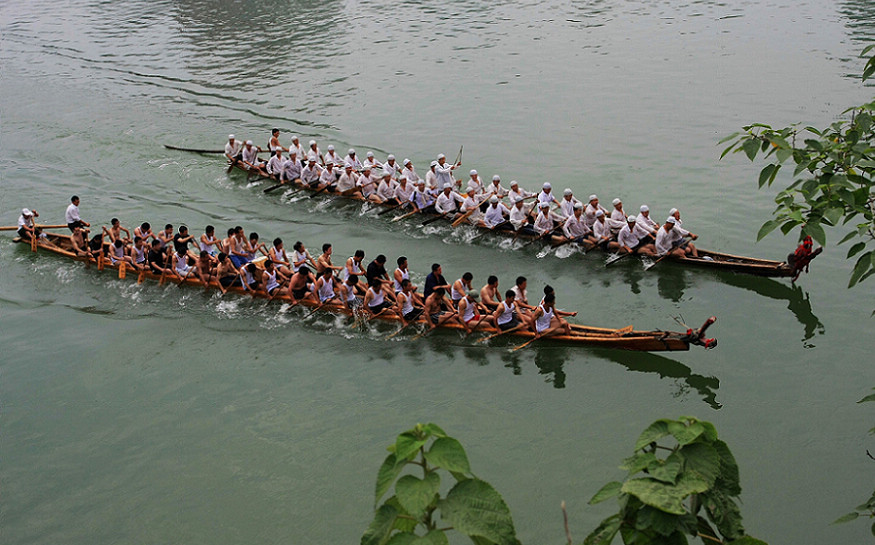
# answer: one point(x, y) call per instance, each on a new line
point(860, 15)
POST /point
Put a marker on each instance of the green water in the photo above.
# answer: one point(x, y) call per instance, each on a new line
point(146, 414)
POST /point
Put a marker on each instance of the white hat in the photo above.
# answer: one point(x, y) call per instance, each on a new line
point(291, 151)
point(402, 178)
point(513, 183)
point(616, 201)
point(329, 163)
point(473, 172)
point(496, 178)
point(471, 190)
point(543, 205)
point(420, 182)
point(312, 142)
point(351, 151)
point(26, 212)
point(330, 147)
point(518, 201)
point(441, 156)
point(631, 219)
point(387, 174)
point(390, 157)
point(294, 137)
point(249, 142)
point(672, 212)
point(567, 191)
point(348, 165)
point(547, 185)
point(407, 161)
point(671, 220)
point(434, 163)
point(366, 167)
point(279, 151)
point(370, 154)
point(578, 205)
point(599, 213)
point(644, 208)
point(448, 185)
point(230, 137)
point(493, 199)
point(592, 197)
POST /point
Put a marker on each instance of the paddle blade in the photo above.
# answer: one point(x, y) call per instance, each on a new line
point(141, 277)
point(100, 261)
point(122, 270)
point(33, 241)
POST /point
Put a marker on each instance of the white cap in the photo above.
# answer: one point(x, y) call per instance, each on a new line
point(230, 137)
point(543, 205)
point(592, 197)
point(390, 157)
point(407, 161)
point(671, 220)
point(26, 212)
point(291, 151)
point(644, 208)
point(518, 201)
point(420, 182)
point(312, 142)
point(249, 142)
point(631, 219)
point(370, 154)
point(294, 137)
point(402, 178)
point(496, 178)
point(329, 163)
point(366, 167)
point(547, 185)
point(473, 172)
point(434, 163)
point(330, 147)
point(348, 165)
point(351, 151)
point(672, 212)
point(513, 183)
point(599, 213)
point(616, 201)
point(578, 205)
point(471, 190)
point(387, 174)
point(567, 191)
point(448, 185)
point(279, 151)
point(493, 199)
point(441, 156)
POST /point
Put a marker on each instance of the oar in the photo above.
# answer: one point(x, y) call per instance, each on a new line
point(320, 191)
point(275, 186)
point(122, 271)
point(181, 282)
point(401, 217)
point(616, 257)
point(485, 314)
point(542, 237)
point(391, 208)
point(432, 220)
point(440, 323)
point(167, 264)
point(33, 236)
point(318, 308)
point(655, 263)
point(100, 259)
point(500, 333)
point(525, 344)
point(193, 150)
point(458, 221)
point(15, 227)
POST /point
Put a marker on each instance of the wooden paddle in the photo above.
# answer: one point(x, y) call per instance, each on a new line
point(318, 308)
point(275, 186)
point(401, 217)
point(15, 227)
point(458, 221)
point(320, 191)
point(616, 257)
point(391, 208)
point(482, 317)
point(193, 150)
point(167, 263)
point(33, 236)
point(432, 220)
point(648, 267)
point(500, 333)
point(122, 272)
point(100, 259)
point(440, 323)
point(525, 344)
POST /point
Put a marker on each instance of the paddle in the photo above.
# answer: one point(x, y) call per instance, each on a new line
point(500, 333)
point(616, 257)
point(320, 191)
point(650, 266)
point(542, 237)
point(525, 344)
point(194, 150)
point(402, 328)
point(100, 259)
point(167, 263)
point(432, 220)
point(393, 207)
point(484, 315)
point(440, 323)
point(401, 217)
point(275, 186)
point(33, 236)
point(184, 278)
point(15, 227)
point(467, 214)
point(122, 271)
point(318, 308)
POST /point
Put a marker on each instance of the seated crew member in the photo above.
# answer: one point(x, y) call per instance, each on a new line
point(348, 290)
point(630, 241)
point(590, 210)
point(386, 189)
point(545, 322)
point(250, 160)
point(519, 218)
point(460, 287)
point(409, 171)
point(669, 240)
point(233, 149)
point(434, 305)
point(144, 231)
point(115, 231)
point(352, 160)
point(139, 253)
point(405, 303)
point(506, 314)
point(367, 184)
point(391, 168)
point(403, 191)
point(490, 296)
point(324, 261)
point(26, 226)
point(348, 181)
point(272, 280)
point(301, 256)
point(208, 242)
point(497, 215)
point(354, 268)
point(327, 178)
point(334, 158)
point(469, 313)
point(292, 169)
point(446, 201)
point(422, 200)
point(204, 269)
point(602, 232)
point(516, 193)
point(157, 259)
point(325, 286)
point(375, 298)
point(296, 146)
point(300, 285)
point(279, 257)
point(228, 275)
point(575, 230)
point(275, 164)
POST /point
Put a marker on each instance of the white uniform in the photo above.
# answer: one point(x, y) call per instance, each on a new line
point(271, 281)
point(495, 214)
point(567, 206)
point(275, 165)
point(347, 181)
point(292, 170)
point(447, 203)
point(314, 153)
point(444, 174)
point(327, 177)
point(472, 203)
point(575, 227)
point(666, 240)
point(352, 161)
point(391, 170)
point(377, 297)
point(518, 215)
point(600, 229)
point(72, 214)
point(208, 248)
point(371, 162)
point(403, 191)
point(646, 222)
point(476, 184)
point(519, 294)
point(334, 158)
point(182, 264)
point(628, 237)
point(495, 189)
point(299, 149)
point(326, 292)
point(250, 155)
point(544, 223)
point(356, 268)
point(299, 256)
point(26, 221)
point(518, 195)
point(234, 150)
point(431, 179)
point(386, 189)
point(311, 175)
point(506, 313)
point(589, 213)
point(543, 196)
point(368, 184)
point(412, 176)
point(422, 199)
point(641, 231)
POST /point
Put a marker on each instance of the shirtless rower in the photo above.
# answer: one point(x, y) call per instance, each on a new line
point(506, 314)
point(630, 241)
point(233, 149)
point(434, 305)
point(272, 280)
point(80, 243)
point(115, 231)
point(72, 215)
point(545, 322)
point(490, 296)
point(275, 164)
point(227, 273)
point(405, 302)
point(324, 261)
point(250, 159)
point(204, 269)
point(469, 313)
point(279, 257)
point(300, 286)
point(669, 240)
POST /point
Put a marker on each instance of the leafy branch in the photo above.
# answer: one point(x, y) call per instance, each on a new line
point(865, 509)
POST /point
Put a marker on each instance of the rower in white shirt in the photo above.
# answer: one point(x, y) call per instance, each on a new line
point(233, 149)
point(471, 203)
point(546, 220)
point(431, 176)
point(298, 149)
point(475, 182)
point(630, 242)
point(72, 215)
point(386, 189)
point(497, 214)
point(645, 222)
point(314, 152)
point(368, 184)
point(444, 171)
point(568, 202)
point(446, 201)
point(276, 163)
point(310, 173)
point(410, 172)
point(250, 159)
point(391, 167)
point(333, 157)
point(371, 162)
point(422, 198)
point(347, 181)
point(292, 168)
point(352, 160)
point(328, 176)
point(516, 193)
point(546, 195)
point(670, 241)
point(519, 218)
point(575, 228)
point(616, 220)
point(602, 232)
point(679, 224)
point(590, 210)
point(495, 187)
point(403, 190)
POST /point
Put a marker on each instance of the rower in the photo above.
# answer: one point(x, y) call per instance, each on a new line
point(519, 291)
point(497, 214)
point(354, 268)
point(434, 280)
point(575, 228)
point(460, 287)
point(375, 300)
point(203, 268)
point(26, 226)
point(347, 182)
point(166, 236)
point(332, 156)
point(298, 149)
point(314, 153)
point(115, 231)
point(348, 290)
point(423, 201)
point(489, 294)
point(324, 286)
point(546, 220)
point(328, 177)
point(469, 313)
point(324, 261)
point(276, 163)
point(138, 253)
point(368, 184)
point(391, 167)
point(591, 209)
point(630, 241)
point(446, 201)
point(371, 162)
point(403, 190)
point(471, 204)
point(434, 305)
point(676, 214)
point(377, 270)
point(670, 241)
point(233, 150)
point(299, 286)
point(386, 189)
point(156, 258)
point(568, 202)
point(117, 253)
point(237, 248)
point(144, 231)
point(475, 182)
point(545, 321)
point(431, 176)
point(249, 277)
point(181, 264)
point(519, 218)
point(645, 222)
point(182, 239)
point(546, 195)
point(351, 160)
point(274, 143)
point(404, 300)
point(401, 273)
point(310, 173)
point(209, 241)
point(495, 187)
point(617, 219)
point(301, 256)
point(506, 314)
point(279, 257)
point(410, 172)
point(250, 160)
point(444, 172)
point(516, 193)
point(72, 215)
point(292, 169)
point(602, 232)
point(227, 273)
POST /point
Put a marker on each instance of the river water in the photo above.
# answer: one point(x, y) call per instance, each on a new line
point(146, 414)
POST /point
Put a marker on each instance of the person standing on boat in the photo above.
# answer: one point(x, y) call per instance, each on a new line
point(250, 159)
point(274, 143)
point(298, 149)
point(670, 241)
point(26, 226)
point(444, 172)
point(630, 242)
point(72, 215)
point(233, 149)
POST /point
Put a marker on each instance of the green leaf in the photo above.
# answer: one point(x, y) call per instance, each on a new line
point(766, 174)
point(434, 537)
point(685, 433)
point(606, 492)
point(856, 249)
point(863, 264)
point(654, 432)
point(474, 508)
point(728, 480)
point(846, 518)
point(703, 461)
point(604, 532)
point(767, 228)
point(386, 475)
point(710, 432)
point(833, 214)
point(663, 496)
point(406, 446)
point(434, 429)
point(637, 462)
point(728, 138)
point(778, 141)
point(402, 539)
point(723, 512)
point(402, 524)
point(751, 147)
point(816, 231)
point(870, 397)
point(783, 154)
point(415, 494)
point(747, 540)
point(448, 454)
point(656, 520)
point(666, 470)
point(378, 531)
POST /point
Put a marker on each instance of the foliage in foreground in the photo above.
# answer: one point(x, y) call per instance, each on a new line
point(471, 507)
point(690, 491)
point(834, 177)
point(865, 509)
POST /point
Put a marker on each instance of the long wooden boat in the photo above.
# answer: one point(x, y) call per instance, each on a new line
point(626, 338)
point(707, 258)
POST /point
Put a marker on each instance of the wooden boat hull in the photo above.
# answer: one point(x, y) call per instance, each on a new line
point(626, 339)
point(707, 259)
